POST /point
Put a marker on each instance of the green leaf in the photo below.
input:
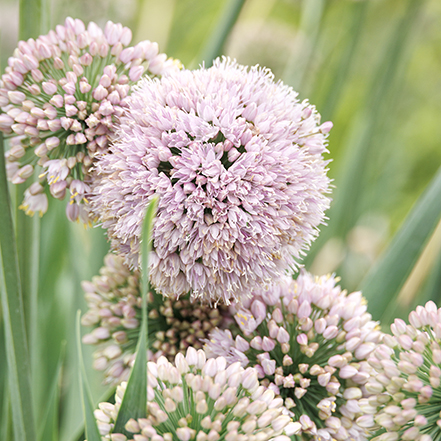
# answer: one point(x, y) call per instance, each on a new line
point(361, 150)
point(225, 23)
point(385, 279)
point(30, 18)
point(49, 427)
point(13, 317)
point(134, 402)
point(92, 432)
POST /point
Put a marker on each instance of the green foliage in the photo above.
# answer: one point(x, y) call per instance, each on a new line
point(371, 67)
point(134, 402)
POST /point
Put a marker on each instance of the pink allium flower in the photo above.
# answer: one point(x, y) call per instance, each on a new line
point(309, 342)
point(59, 97)
point(199, 399)
point(114, 302)
point(407, 384)
point(236, 161)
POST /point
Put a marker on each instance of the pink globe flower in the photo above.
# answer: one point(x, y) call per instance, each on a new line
point(236, 161)
point(309, 342)
point(59, 97)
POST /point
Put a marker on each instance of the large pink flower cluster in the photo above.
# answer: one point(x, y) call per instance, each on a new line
point(236, 161)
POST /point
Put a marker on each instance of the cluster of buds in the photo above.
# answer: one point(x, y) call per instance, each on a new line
point(201, 399)
point(407, 400)
point(309, 342)
point(59, 97)
point(114, 301)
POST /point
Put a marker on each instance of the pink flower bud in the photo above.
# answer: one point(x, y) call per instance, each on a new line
point(16, 97)
point(100, 93)
point(57, 101)
point(69, 88)
point(135, 73)
point(49, 88)
point(37, 76)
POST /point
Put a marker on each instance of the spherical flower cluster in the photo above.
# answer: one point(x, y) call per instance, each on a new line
point(114, 302)
point(407, 384)
point(59, 96)
point(309, 342)
point(236, 161)
point(203, 400)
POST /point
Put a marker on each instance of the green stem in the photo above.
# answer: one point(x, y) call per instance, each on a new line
point(216, 42)
point(14, 321)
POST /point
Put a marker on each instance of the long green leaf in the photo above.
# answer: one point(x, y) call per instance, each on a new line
point(49, 427)
point(13, 317)
point(216, 42)
point(297, 66)
point(92, 432)
point(30, 18)
point(351, 179)
point(385, 279)
point(134, 402)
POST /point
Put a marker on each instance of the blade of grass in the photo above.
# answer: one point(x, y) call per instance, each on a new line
point(49, 427)
point(297, 66)
point(344, 66)
point(13, 317)
point(225, 23)
point(350, 181)
point(5, 415)
point(383, 282)
point(134, 402)
point(92, 432)
point(30, 19)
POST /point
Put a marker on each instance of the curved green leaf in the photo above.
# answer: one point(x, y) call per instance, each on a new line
point(134, 402)
point(215, 43)
point(385, 279)
point(14, 321)
point(92, 432)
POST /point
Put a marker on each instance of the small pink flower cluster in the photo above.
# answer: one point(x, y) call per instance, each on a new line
point(59, 97)
point(114, 302)
point(407, 392)
point(309, 342)
point(201, 399)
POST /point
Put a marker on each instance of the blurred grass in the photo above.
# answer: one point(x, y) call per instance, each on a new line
point(370, 66)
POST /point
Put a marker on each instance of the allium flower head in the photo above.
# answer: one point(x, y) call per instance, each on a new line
point(59, 97)
point(114, 302)
point(309, 342)
point(201, 399)
point(407, 383)
point(236, 161)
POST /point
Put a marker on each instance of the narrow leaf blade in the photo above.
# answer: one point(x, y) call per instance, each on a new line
point(216, 42)
point(385, 279)
point(92, 432)
point(134, 402)
point(14, 321)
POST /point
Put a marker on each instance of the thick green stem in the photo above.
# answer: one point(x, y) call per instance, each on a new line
point(14, 321)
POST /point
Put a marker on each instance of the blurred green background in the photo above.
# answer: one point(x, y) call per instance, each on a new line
point(373, 67)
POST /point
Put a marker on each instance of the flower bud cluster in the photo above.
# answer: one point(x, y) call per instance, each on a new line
point(309, 342)
point(201, 399)
point(59, 97)
point(114, 302)
point(407, 400)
